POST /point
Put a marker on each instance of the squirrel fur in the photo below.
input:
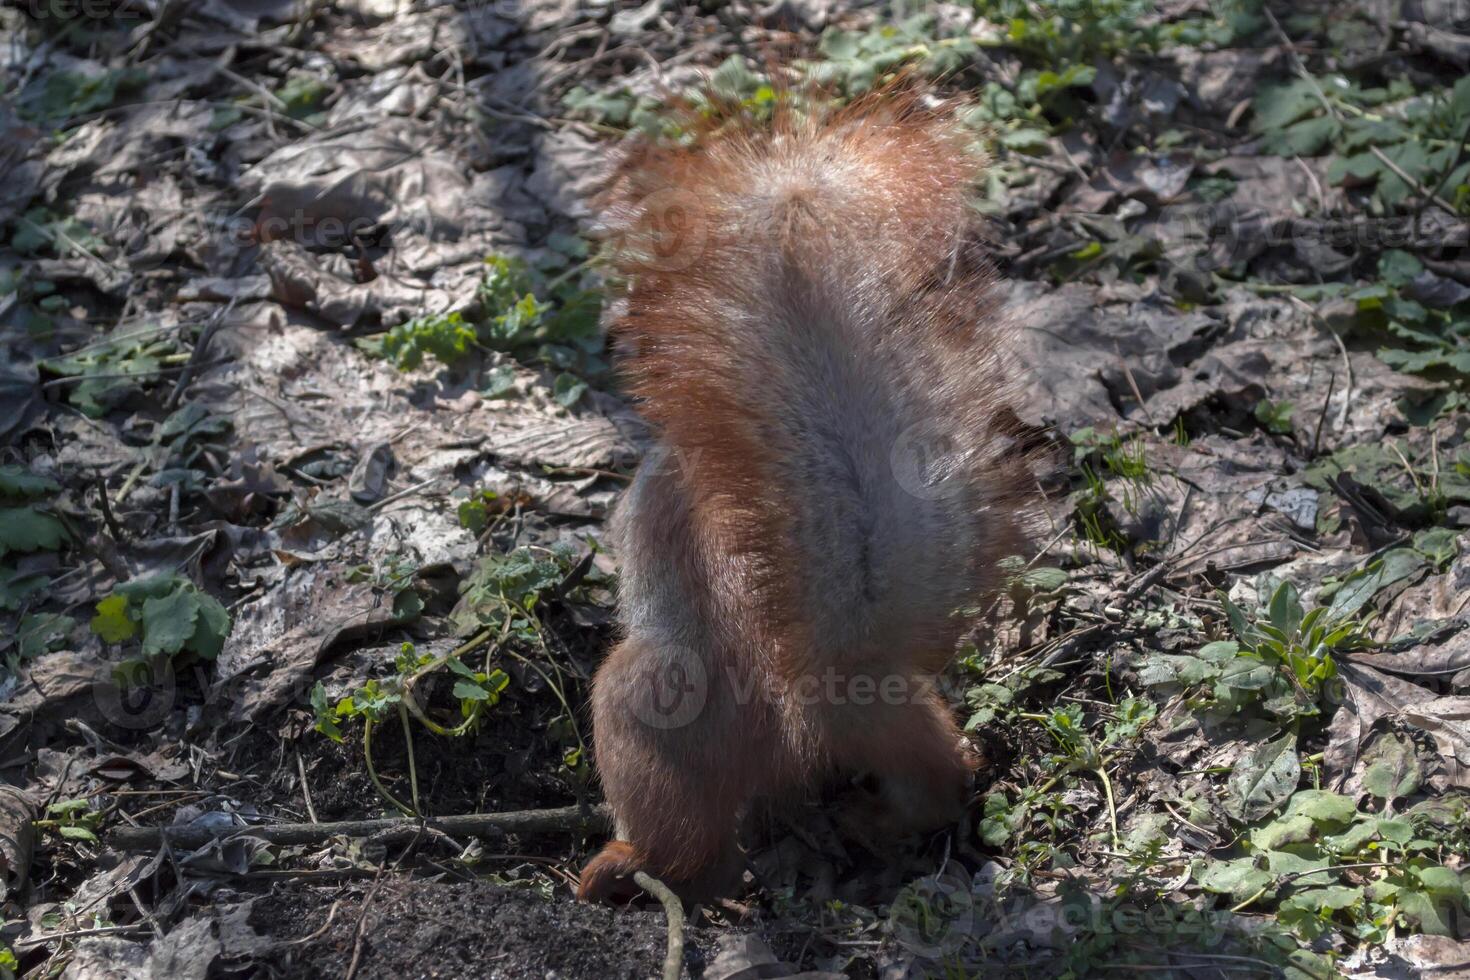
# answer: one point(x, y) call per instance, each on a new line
point(812, 331)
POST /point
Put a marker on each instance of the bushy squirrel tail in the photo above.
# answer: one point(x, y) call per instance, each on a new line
point(812, 328)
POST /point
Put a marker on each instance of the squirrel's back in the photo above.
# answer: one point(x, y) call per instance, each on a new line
point(813, 329)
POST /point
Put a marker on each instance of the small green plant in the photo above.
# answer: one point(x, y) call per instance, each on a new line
point(617, 109)
point(303, 95)
point(498, 605)
point(1105, 461)
point(1388, 136)
point(521, 309)
point(394, 577)
point(1410, 479)
point(38, 633)
point(1275, 417)
point(57, 97)
point(1326, 865)
point(1281, 658)
point(168, 613)
point(72, 820)
point(1065, 32)
point(378, 700)
point(104, 375)
point(483, 506)
point(854, 62)
point(445, 336)
point(1076, 750)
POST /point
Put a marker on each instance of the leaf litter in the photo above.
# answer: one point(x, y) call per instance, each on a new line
point(310, 438)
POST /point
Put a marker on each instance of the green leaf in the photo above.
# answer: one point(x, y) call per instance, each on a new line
point(41, 632)
point(1035, 141)
point(1432, 915)
point(1352, 840)
point(112, 622)
point(19, 482)
point(1359, 588)
point(1239, 625)
point(1278, 106)
point(1220, 651)
point(499, 382)
point(1322, 806)
point(73, 832)
point(25, 529)
point(1292, 863)
point(326, 721)
point(733, 79)
point(1399, 832)
point(1392, 770)
point(470, 691)
point(1285, 610)
point(1331, 897)
point(1439, 545)
point(17, 586)
point(1294, 829)
point(1441, 882)
point(1246, 673)
point(169, 622)
point(1264, 780)
point(408, 605)
point(568, 389)
point(1238, 877)
point(1307, 138)
point(150, 587)
point(212, 628)
point(1398, 268)
point(1275, 416)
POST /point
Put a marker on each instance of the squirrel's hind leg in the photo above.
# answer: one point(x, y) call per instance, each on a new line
point(676, 768)
point(921, 759)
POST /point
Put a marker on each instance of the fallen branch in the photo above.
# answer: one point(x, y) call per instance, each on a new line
point(674, 909)
point(393, 829)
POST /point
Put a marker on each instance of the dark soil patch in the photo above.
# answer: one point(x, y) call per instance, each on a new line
point(472, 930)
point(509, 764)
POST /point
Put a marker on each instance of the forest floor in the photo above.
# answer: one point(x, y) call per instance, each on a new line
point(309, 432)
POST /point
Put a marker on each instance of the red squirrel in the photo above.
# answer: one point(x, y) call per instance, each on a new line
point(811, 330)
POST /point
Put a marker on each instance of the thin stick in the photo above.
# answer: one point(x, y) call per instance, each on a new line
point(331, 914)
point(674, 909)
point(305, 788)
point(191, 367)
point(359, 931)
point(1423, 192)
point(568, 819)
point(1322, 416)
point(107, 516)
point(1102, 773)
